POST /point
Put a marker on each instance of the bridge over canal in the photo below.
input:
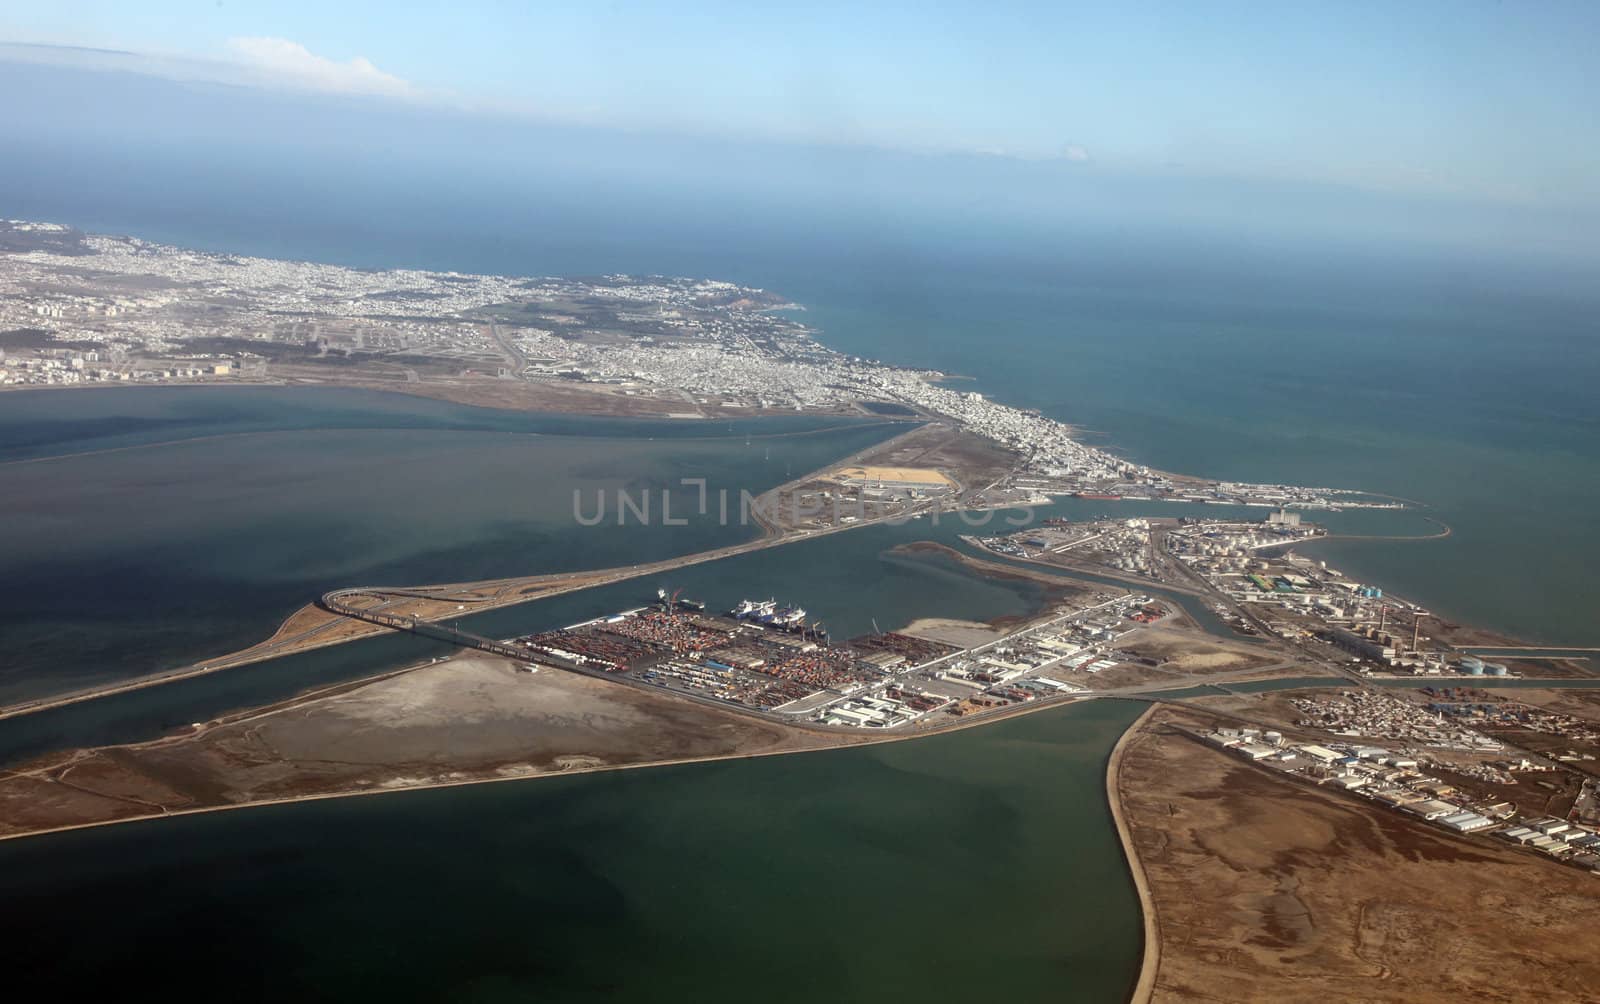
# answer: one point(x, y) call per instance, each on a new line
point(337, 602)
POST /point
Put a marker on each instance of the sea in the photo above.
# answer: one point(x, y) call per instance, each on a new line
point(148, 528)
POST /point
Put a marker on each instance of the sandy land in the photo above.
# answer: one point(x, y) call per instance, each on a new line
point(1266, 889)
point(487, 391)
point(1188, 650)
point(955, 456)
point(963, 634)
point(469, 718)
point(906, 475)
point(312, 627)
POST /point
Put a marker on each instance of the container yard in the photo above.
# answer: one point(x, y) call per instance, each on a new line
point(765, 657)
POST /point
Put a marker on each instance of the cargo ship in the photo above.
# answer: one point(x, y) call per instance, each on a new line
point(770, 613)
point(751, 609)
point(1101, 496)
point(788, 617)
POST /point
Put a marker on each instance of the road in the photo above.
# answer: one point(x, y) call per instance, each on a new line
point(1171, 566)
point(512, 353)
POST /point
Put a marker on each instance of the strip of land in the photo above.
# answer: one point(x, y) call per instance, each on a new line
point(785, 514)
point(1150, 954)
point(472, 718)
point(477, 718)
point(80, 310)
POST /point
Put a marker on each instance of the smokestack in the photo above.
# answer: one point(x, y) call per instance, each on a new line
point(1383, 618)
point(1416, 628)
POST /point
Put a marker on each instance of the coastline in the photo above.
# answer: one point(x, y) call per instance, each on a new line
point(1144, 985)
point(975, 721)
point(428, 786)
point(546, 410)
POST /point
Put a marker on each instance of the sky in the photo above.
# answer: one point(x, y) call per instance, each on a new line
point(1487, 106)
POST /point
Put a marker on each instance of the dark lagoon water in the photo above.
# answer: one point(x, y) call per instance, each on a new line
point(167, 525)
point(849, 580)
point(936, 869)
point(853, 582)
point(502, 892)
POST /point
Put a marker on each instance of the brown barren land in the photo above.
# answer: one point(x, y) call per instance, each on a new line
point(1270, 890)
point(485, 390)
point(473, 718)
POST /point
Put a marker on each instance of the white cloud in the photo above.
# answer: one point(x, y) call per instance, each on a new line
point(292, 63)
point(1075, 153)
point(271, 63)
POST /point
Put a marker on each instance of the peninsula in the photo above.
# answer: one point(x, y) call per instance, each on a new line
point(1322, 755)
point(80, 310)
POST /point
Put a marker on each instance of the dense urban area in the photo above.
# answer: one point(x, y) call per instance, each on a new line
point(79, 309)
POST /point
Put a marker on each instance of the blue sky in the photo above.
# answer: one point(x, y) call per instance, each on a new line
point(1492, 100)
point(1484, 104)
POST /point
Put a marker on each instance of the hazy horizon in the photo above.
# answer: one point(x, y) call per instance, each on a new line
point(122, 132)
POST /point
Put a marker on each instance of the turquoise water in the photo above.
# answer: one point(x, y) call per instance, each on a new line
point(1477, 400)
